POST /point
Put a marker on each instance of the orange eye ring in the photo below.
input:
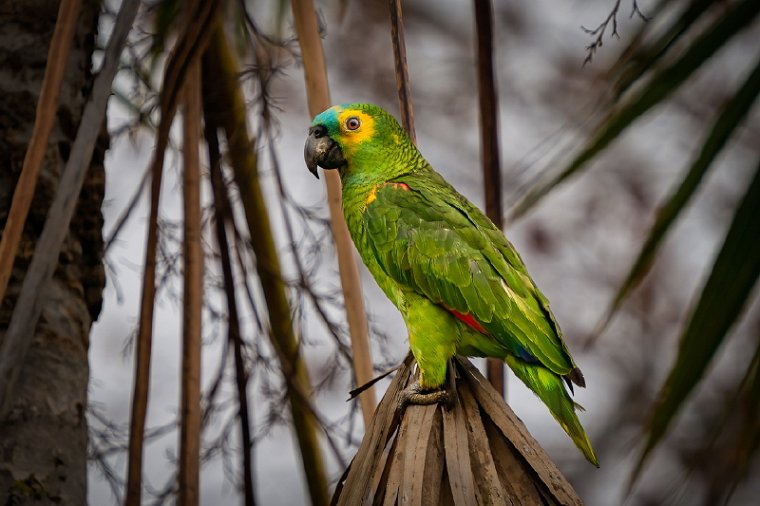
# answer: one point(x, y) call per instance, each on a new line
point(353, 123)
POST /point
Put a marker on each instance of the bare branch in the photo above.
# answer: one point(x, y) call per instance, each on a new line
point(600, 30)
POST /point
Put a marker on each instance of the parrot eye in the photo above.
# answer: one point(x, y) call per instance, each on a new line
point(353, 123)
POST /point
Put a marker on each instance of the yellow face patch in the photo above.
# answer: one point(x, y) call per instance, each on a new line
point(351, 138)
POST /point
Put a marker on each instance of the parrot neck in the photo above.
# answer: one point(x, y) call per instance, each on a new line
point(374, 166)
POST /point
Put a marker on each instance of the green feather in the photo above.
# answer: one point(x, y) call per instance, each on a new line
point(551, 391)
point(432, 251)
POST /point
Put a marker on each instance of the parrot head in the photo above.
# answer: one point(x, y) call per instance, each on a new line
point(344, 136)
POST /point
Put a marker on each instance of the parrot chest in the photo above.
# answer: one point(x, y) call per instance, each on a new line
point(354, 206)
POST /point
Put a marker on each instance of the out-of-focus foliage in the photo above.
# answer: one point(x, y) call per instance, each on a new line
point(648, 74)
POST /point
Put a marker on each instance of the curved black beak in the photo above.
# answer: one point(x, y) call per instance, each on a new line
point(321, 151)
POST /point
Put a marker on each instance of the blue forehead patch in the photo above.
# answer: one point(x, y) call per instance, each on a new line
point(328, 117)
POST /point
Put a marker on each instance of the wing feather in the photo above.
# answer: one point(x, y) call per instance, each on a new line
point(430, 239)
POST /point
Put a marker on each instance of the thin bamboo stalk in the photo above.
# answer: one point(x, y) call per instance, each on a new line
point(222, 215)
point(188, 47)
point(190, 421)
point(144, 341)
point(227, 101)
point(318, 98)
point(402, 69)
point(47, 110)
point(489, 142)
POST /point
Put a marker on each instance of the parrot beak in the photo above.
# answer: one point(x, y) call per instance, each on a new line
point(321, 151)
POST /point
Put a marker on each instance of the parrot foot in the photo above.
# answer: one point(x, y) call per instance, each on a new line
point(414, 395)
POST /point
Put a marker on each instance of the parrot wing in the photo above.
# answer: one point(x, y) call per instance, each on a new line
point(429, 238)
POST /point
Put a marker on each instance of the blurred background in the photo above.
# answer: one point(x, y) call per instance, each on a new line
point(579, 241)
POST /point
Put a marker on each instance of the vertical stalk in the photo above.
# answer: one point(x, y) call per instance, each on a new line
point(318, 97)
point(489, 142)
point(402, 69)
point(192, 41)
point(190, 409)
point(47, 110)
point(222, 215)
point(144, 340)
point(229, 106)
point(143, 347)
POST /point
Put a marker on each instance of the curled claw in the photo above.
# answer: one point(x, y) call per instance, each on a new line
point(414, 395)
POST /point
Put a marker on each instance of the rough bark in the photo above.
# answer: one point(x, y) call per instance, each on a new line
point(43, 439)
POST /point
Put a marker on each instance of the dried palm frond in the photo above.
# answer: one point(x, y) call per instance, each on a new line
point(479, 452)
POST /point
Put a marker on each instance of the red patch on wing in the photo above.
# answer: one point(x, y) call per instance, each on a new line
point(468, 319)
point(403, 186)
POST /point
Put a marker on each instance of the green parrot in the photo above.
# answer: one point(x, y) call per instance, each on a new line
point(458, 282)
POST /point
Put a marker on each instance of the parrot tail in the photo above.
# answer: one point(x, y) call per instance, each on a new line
point(549, 388)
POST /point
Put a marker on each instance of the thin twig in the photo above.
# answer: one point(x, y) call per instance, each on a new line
point(130, 207)
point(599, 31)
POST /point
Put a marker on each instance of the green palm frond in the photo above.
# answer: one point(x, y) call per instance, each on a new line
point(728, 120)
point(656, 65)
point(720, 304)
point(662, 85)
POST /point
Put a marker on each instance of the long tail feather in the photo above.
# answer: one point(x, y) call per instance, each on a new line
point(549, 388)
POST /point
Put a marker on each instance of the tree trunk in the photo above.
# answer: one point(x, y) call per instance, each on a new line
point(43, 438)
